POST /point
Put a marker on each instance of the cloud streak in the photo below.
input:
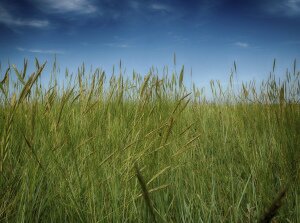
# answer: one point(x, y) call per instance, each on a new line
point(117, 45)
point(68, 6)
point(241, 44)
point(290, 8)
point(40, 51)
point(160, 7)
point(7, 19)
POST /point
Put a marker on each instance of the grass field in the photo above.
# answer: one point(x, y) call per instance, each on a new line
point(107, 148)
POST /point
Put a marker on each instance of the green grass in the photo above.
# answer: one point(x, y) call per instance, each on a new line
point(144, 149)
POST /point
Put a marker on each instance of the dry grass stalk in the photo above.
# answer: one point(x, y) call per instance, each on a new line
point(270, 213)
point(145, 192)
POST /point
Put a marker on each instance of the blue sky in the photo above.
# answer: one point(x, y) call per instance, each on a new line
point(206, 35)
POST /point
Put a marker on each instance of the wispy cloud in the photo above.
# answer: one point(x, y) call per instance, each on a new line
point(63, 6)
point(289, 8)
point(40, 51)
point(117, 45)
point(177, 37)
point(8, 19)
point(292, 42)
point(160, 7)
point(134, 5)
point(293, 7)
point(242, 44)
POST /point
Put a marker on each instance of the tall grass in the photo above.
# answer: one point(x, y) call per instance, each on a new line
point(148, 148)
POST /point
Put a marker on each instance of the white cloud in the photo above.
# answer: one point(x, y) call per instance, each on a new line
point(117, 45)
point(160, 7)
point(134, 4)
point(40, 51)
point(242, 44)
point(62, 6)
point(8, 19)
point(293, 7)
point(32, 23)
point(284, 7)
